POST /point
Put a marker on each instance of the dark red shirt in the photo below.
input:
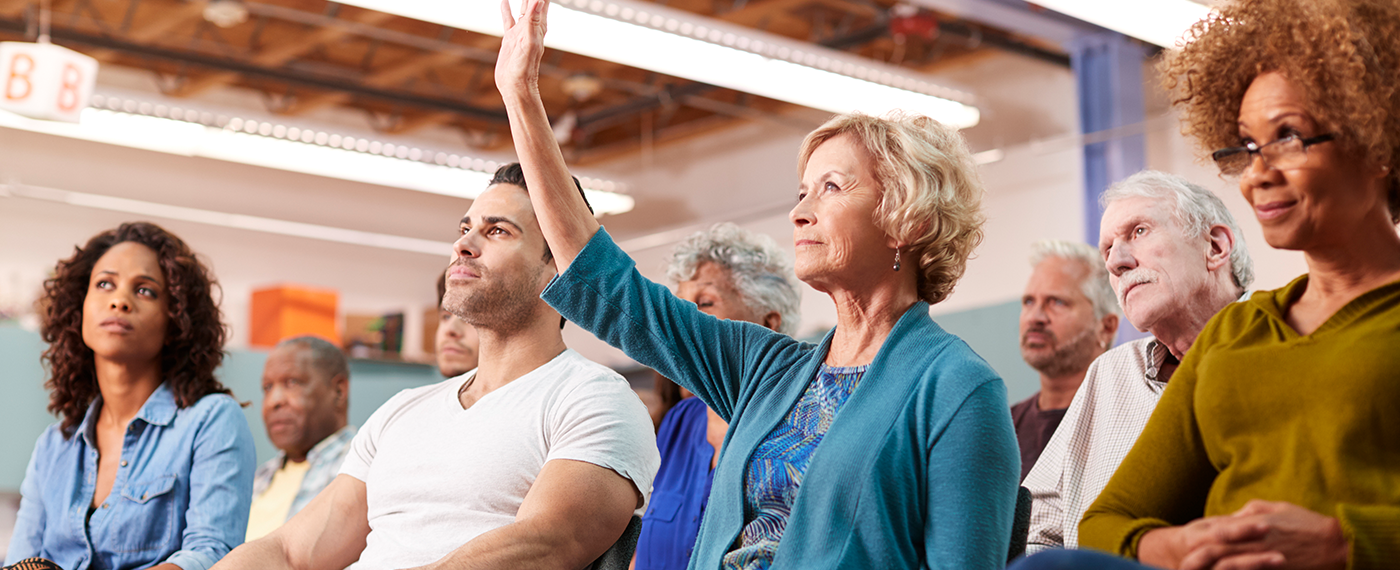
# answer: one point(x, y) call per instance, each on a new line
point(1034, 427)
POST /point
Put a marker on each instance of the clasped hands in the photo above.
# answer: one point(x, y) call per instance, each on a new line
point(1262, 535)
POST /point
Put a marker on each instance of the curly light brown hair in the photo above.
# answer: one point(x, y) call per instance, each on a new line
point(930, 193)
point(1344, 54)
point(194, 335)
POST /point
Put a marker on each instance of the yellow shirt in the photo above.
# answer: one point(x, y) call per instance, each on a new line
point(270, 508)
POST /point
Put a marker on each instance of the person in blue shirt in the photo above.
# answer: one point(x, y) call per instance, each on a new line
point(887, 445)
point(732, 274)
point(151, 463)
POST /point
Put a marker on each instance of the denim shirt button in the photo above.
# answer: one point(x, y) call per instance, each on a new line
point(123, 463)
point(105, 505)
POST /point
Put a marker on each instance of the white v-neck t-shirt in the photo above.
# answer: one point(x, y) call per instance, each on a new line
point(437, 476)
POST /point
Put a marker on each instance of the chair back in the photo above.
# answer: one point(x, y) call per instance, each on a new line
point(619, 555)
point(1021, 524)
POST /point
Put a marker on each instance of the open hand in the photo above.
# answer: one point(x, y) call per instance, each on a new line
point(522, 49)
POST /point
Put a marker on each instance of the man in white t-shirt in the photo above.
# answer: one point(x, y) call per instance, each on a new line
point(536, 459)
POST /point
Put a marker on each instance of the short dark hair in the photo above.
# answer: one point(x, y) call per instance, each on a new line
point(325, 356)
point(513, 174)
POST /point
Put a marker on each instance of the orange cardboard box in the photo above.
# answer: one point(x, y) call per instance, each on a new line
point(286, 311)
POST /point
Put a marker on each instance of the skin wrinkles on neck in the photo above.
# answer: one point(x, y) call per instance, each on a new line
point(865, 317)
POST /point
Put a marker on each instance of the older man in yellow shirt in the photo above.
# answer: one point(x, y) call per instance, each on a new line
point(306, 399)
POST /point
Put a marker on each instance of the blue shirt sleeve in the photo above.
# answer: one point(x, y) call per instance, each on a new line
point(221, 487)
point(604, 293)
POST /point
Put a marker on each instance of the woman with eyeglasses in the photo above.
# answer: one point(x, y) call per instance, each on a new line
point(1277, 442)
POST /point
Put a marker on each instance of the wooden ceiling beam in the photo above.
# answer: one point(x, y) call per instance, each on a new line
point(388, 76)
point(277, 55)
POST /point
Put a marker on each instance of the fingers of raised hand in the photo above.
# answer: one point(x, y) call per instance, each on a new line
point(507, 20)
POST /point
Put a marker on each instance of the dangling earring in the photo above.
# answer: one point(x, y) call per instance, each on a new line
point(896, 259)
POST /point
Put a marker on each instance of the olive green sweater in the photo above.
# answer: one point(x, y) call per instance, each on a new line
point(1257, 411)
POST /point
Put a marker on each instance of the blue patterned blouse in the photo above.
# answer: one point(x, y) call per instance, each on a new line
point(777, 465)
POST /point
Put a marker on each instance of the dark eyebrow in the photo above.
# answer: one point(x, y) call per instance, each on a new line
point(142, 276)
point(501, 220)
point(467, 220)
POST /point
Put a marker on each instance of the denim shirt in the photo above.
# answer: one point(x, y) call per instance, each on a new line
point(181, 494)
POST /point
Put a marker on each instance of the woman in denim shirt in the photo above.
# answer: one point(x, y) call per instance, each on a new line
point(151, 463)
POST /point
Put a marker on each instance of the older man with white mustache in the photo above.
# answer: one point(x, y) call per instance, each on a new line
point(1175, 258)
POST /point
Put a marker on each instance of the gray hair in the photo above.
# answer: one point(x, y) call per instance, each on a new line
point(1197, 209)
point(1095, 285)
point(325, 357)
point(760, 270)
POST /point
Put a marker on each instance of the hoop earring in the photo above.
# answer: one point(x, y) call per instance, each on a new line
point(896, 259)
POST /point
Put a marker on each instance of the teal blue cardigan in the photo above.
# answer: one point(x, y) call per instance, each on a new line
point(918, 470)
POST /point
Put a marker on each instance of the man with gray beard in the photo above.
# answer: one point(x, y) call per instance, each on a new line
point(1175, 258)
point(1068, 318)
point(537, 459)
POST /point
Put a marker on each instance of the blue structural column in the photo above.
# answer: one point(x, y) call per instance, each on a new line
point(1108, 72)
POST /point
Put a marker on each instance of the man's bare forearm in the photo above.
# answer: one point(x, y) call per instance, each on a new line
point(266, 553)
point(517, 545)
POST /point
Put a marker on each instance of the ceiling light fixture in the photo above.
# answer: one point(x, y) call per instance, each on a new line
point(1161, 22)
point(226, 13)
point(680, 44)
point(189, 132)
point(224, 219)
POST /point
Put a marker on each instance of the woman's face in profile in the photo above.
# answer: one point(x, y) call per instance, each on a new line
point(1320, 202)
point(834, 234)
point(125, 311)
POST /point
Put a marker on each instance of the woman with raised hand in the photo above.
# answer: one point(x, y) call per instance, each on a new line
point(887, 445)
point(1275, 444)
point(151, 462)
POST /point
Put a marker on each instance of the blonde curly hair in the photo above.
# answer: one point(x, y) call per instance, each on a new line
point(930, 193)
point(1344, 54)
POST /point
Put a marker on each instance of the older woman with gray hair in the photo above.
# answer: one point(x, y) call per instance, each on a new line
point(886, 445)
point(732, 274)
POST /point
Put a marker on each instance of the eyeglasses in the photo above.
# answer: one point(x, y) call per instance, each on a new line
point(1288, 152)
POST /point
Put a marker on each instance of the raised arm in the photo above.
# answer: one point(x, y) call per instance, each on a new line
point(329, 534)
point(574, 511)
point(563, 215)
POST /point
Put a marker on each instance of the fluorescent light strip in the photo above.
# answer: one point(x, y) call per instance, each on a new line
point(680, 44)
point(236, 221)
point(1161, 22)
point(187, 132)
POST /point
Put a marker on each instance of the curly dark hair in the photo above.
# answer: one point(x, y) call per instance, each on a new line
point(1344, 54)
point(194, 336)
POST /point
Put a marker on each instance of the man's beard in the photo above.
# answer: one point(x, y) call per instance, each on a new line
point(496, 303)
point(1069, 357)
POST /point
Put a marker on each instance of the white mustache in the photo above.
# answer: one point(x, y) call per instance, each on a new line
point(1133, 277)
